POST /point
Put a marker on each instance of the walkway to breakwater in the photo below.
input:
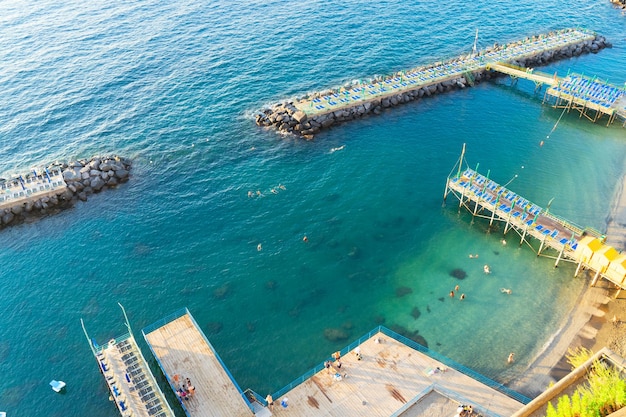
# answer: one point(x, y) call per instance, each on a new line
point(308, 115)
point(381, 374)
point(558, 238)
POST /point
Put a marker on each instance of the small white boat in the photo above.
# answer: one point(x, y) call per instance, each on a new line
point(57, 386)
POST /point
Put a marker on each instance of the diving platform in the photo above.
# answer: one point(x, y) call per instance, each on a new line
point(185, 356)
point(131, 384)
point(558, 238)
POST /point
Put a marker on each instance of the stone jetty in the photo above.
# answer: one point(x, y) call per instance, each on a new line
point(59, 186)
point(308, 115)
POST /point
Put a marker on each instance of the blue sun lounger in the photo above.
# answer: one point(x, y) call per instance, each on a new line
point(539, 227)
point(563, 241)
point(554, 234)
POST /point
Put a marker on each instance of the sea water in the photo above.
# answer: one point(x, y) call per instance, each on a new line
point(175, 87)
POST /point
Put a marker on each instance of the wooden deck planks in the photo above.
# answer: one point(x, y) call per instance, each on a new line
point(182, 350)
point(389, 376)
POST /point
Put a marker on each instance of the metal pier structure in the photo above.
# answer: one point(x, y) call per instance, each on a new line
point(128, 377)
point(558, 238)
point(430, 75)
point(185, 355)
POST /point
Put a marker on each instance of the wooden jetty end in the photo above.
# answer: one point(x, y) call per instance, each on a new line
point(129, 379)
point(423, 77)
point(31, 186)
point(587, 94)
point(394, 377)
point(590, 96)
point(182, 352)
point(558, 238)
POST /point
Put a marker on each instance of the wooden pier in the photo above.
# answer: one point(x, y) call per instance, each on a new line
point(183, 352)
point(394, 377)
point(128, 377)
point(437, 73)
point(558, 238)
point(381, 374)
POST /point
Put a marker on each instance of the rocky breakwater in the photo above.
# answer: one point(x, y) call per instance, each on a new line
point(287, 118)
point(82, 178)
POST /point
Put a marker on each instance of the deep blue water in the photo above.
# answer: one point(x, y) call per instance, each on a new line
point(176, 86)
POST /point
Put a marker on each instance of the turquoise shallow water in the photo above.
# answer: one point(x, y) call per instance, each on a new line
point(176, 86)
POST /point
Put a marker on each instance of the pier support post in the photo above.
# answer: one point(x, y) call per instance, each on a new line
point(556, 264)
point(521, 242)
point(595, 278)
point(493, 214)
point(541, 246)
point(461, 199)
point(580, 264)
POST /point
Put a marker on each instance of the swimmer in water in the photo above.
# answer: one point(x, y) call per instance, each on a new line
point(259, 247)
point(510, 359)
point(274, 191)
point(337, 149)
point(487, 269)
point(250, 194)
point(282, 187)
point(456, 288)
point(506, 291)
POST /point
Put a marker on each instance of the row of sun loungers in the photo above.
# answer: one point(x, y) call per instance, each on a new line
point(444, 70)
point(508, 202)
point(593, 91)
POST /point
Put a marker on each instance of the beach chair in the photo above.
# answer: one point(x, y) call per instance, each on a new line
point(554, 234)
point(539, 228)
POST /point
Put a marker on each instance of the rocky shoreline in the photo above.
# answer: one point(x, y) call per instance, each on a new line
point(83, 178)
point(285, 117)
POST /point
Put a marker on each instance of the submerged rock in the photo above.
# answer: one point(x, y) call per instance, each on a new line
point(415, 313)
point(336, 335)
point(402, 291)
point(214, 327)
point(458, 273)
point(413, 335)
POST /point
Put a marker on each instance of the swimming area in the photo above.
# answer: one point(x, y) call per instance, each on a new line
point(176, 87)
